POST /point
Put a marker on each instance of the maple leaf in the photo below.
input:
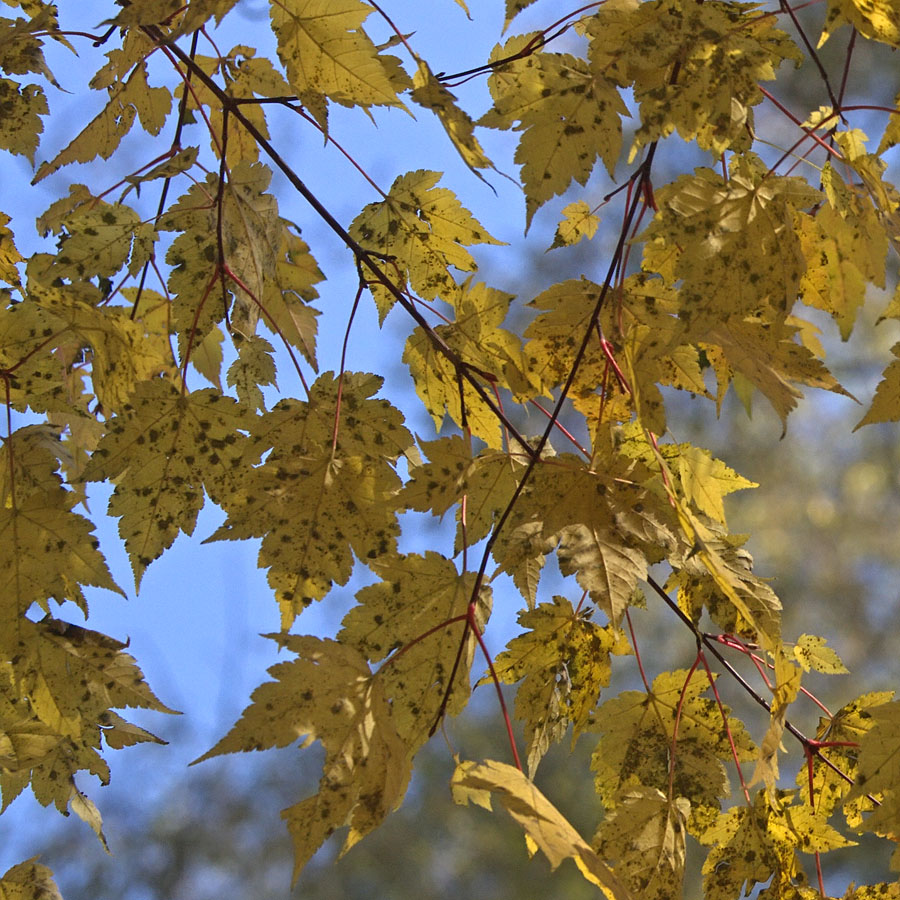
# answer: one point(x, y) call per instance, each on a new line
point(877, 770)
point(97, 238)
point(751, 844)
point(716, 573)
point(29, 880)
point(476, 338)
point(486, 480)
point(129, 99)
point(21, 129)
point(410, 619)
point(810, 651)
point(241, 230)
point(122, 351)
point(884, 404)
point(252, 370)
point(326, 52)
point(695, 67)
point(608, 526)
point(171, 445)
point(9, 255)
point(646, 834)
point(48, 551)
point(328, 694)
point(324, 493)
point(579, 222)
point(765, 355)
point(57, 690)
point(545, 827)
point(640, 741)
point(431, 94)
point(563, 658)
point(845, 729)
point(876, 19)
point(569, 116)
point(425, 230)
point(513, 8)
point(711, 234)
point(706, 480)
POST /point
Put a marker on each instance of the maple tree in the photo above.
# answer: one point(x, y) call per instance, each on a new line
point(130, 305)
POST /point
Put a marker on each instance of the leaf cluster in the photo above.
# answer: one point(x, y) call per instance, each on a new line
point(134, 295)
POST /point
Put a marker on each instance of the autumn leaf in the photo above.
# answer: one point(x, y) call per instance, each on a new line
point(876, 19)
point(172, 445)
point(413, 619)
point(563, 662)
point(578, 223)
point(694, 67)
point(425, 231)
point(751, 844)
point(643, 731)
point(323, 495)
point(129, 99)
point(545, 828)
point(29, 880)
point(328, 694)
point(568, 117)
point(431, 94)
point(810, 651)
point(844, 731)
point(326, 52)
point(646, 833)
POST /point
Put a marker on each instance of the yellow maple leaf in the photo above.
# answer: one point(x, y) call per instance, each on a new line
point(21, 125)
point(328, 694)
point(645, 833)
point(487, 480)
point(695, 67)
point(430, 93)
point(9, 255)
point(563, 662)
point(172, 445)
point(579, 222)
point(316, 506)
point(426, 230)
point(327, 53)
point(875, 19)
point(102, 135)
point(706, 480)
point(636, 746)
point(29, 880)
point(545, 827)
point(810, 651)
point(403, 615)
point(569, 117)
